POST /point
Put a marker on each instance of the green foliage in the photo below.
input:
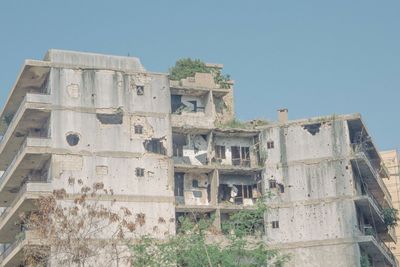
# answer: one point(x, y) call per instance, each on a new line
point(187, 67)
point(246, 222)
point(234, 123)
point(8, 118)
point(364, 261)
point(369, 231)
point(237, 124)
point(390, 216)
point(192, 246)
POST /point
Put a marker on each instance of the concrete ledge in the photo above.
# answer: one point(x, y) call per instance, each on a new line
point(14, 255)
point(22, 202)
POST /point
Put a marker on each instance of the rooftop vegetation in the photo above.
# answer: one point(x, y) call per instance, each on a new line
point(187, 67)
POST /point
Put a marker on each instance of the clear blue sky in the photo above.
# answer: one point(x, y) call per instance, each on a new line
point(313, 57)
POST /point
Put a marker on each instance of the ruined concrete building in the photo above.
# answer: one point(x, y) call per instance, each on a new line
point(391, 159)
point(165, 149)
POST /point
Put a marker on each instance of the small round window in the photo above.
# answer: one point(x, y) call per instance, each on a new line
point(72, 139)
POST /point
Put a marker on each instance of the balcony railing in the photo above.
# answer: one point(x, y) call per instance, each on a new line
point(361, 153)
point(39, 186)
point(29, 98)
point(368, 230)
point(28, 142)
point(21, 237)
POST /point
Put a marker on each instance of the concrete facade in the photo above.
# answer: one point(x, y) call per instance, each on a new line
point(391, 159)
point(329, 193)
point(165, 149)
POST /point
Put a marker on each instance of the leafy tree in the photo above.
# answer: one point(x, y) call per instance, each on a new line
point(195, 244)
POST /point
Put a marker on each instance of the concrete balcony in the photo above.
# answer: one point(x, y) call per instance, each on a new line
point(31, 119)
point(368, 205)
point(32, 79)
point(14, 255)
point(372, 177)
point(380, 253)
point(31, 158)
point(23, 202)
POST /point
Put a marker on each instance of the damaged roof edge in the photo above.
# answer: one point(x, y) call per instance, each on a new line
point(94, 60)
point(345, 117)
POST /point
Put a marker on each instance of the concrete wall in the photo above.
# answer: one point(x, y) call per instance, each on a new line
point(310, 161)
point(102, 108)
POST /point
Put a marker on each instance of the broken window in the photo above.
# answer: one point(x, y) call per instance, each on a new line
point(139, 89)
point(270, 144)
point(176, 103)
point(195, 183)
point(155, 145)
point(275, 224)
point(240, 156)
point(138, 129)
point(139, 172)
point(220, 105)
point(110, 118)
point(220, 152)
point(178, 142)
point(245, 156)
point(197, 194)
point(247, 191)
point(179, 184)
point(313, 129)
point(272, 183)
point(281, 188)
point(238, 189)
point(193, 108)
point(72, 139)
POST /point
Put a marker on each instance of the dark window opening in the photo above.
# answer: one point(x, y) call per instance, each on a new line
point(275, 224)
point(270, 144)
point(236, 193)
point(139, 89)
point(272, 184)
point(195, 183)
point(155, 145)
point(178, 142)
point(139, 172)
point(176, 103)
point(197, 194)
point(179, 184)
point(72, 139)
point(220, 152)
point(138, 129)
point(245, 156)
point(240, 156)
point(281, 188)
point(194, 108)
point(110, 118)
point(313, 129)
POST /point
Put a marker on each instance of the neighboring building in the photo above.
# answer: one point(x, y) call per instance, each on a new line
point(166, 149)
point(327, 175)
point(391, 159)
